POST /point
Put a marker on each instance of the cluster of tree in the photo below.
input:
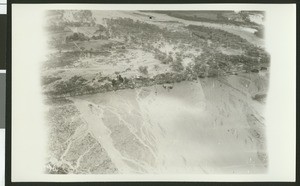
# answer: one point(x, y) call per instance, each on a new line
point(253, 54)
point(197, 69)
point(100, 33)
point(140, 31)
point(143, 70)
point(176, 64)
point(147, 34)
point(77, 24)
point(119, 80)
point(228, 62)
point(101, 28)
point(77, 37)
point(100, 36)
point(175, 37)
point(260, 54)
point(217, 63)
point(170, 77)
point(74, 84)
point(219, 36)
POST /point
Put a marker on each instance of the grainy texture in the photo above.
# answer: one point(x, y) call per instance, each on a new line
point(155, 92)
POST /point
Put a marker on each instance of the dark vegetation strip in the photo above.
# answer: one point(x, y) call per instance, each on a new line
point(77, 87)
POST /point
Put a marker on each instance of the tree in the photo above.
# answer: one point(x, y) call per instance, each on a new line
point(120, 79)
point(113, 82)
point(177, 65)
point(143, 70)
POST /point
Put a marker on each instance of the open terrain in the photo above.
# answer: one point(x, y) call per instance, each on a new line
point(155, 92)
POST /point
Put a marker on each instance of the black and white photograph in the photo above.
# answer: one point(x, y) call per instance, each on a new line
point(155, 91)
point(146, 91)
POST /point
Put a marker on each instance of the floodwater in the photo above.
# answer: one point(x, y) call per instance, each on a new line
point(206, 126)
